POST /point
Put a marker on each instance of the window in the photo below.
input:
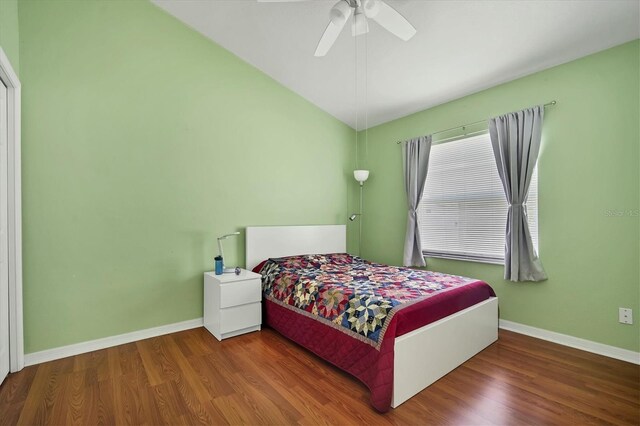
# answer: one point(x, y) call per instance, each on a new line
point(463, 212)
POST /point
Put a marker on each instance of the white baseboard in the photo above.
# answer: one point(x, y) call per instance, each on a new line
point(107, 342)
point(573, 342)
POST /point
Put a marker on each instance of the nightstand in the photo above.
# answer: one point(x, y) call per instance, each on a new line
point(232, 303)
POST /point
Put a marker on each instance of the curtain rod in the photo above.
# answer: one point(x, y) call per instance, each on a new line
point(552, 103)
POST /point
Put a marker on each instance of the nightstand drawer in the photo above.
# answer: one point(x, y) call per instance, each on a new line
point(240, 317)
point(240, 293)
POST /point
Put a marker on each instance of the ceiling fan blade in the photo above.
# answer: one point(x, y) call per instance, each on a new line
point(392, 21)
point(330, 36)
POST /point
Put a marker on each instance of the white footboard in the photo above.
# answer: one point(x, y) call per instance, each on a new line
point(428, 353)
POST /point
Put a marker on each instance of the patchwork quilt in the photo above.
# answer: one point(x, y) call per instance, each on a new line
point(349, 311)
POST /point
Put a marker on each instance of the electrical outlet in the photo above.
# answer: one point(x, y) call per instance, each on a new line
point(625, 315)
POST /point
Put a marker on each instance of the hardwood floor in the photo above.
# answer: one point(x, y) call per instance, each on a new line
point(262, 378)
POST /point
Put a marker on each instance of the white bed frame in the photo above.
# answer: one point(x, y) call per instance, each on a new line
point(421, 356)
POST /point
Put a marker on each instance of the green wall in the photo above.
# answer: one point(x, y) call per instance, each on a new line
point(142, 142)
point(9, 32)
point(588, 168)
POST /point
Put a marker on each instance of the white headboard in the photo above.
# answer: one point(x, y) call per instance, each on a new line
point(264, 242)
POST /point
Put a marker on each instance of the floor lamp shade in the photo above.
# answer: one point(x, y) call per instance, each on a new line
point(361, 175)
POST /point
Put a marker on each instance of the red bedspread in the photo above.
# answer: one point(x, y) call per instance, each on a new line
point(348, 311)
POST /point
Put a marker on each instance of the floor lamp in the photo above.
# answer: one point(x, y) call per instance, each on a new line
point(361, 176)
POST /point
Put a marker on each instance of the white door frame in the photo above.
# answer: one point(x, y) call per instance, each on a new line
point(14, 195)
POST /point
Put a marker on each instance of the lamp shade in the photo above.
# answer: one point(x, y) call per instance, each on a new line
point(361, 175)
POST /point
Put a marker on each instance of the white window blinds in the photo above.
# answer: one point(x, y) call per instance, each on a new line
point(463, 212)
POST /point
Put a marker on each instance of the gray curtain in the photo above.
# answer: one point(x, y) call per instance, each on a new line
point(515, 138)
point(415, 159)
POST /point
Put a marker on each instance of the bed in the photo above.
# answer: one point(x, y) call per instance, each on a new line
point(408, 340)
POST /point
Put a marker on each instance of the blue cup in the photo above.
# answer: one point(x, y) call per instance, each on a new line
point(219, 265)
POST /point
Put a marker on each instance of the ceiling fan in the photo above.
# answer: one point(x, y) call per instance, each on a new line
point(362, 10)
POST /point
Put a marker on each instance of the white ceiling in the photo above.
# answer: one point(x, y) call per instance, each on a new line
point(461, 47)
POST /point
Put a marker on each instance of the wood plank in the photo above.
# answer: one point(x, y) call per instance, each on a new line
point(105, 408)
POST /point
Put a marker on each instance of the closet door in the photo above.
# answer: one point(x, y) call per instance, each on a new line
point(4, 244)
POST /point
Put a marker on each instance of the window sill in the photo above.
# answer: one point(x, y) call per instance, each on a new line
point(465, 258)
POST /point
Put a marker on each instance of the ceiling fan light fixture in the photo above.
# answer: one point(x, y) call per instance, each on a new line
point(340, 12)
point(360, 25)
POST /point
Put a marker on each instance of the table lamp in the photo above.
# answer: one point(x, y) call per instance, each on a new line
point(224, 237)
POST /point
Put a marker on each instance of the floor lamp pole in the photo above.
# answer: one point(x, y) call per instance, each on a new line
point(360, 224)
